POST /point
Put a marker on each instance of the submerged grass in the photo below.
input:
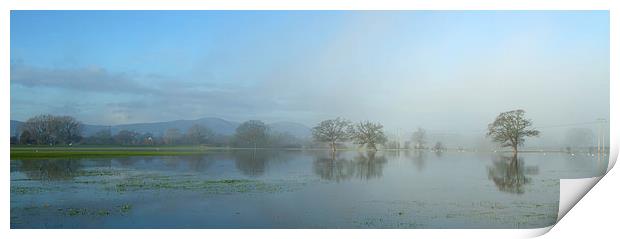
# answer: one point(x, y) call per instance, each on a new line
point(224, 186)
point(25, 190)
point(28, 190)
point(122, 210)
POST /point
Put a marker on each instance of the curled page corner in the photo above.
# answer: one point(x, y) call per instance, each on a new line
point(537, 232)
point(571, 191)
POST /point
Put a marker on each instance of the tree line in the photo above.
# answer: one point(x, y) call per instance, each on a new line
point(51, 130)
point(509, 129)
point(65, 130)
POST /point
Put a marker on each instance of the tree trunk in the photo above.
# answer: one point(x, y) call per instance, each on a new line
point(514, 150)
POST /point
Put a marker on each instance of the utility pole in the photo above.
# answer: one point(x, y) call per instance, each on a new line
point(600, 145)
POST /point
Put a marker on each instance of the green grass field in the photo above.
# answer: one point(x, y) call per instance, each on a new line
point(103, 151)
point(42, 152)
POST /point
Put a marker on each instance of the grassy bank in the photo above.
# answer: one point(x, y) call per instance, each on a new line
point(103, 151)
point(36, 152)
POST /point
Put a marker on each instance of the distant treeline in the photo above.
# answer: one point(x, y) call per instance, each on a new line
point(66, 130)
point(509, 129)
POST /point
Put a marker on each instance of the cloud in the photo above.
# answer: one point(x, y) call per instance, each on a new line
point(92, 79)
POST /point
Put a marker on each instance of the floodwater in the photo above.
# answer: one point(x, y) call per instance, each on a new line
point(295, 189)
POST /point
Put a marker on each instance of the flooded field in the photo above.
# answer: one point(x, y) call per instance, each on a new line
point(295, 189)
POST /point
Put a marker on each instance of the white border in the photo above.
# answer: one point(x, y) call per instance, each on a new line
point(7, 5)
point(309, 5)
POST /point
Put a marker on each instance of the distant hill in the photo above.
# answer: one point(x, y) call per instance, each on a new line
point(295, 129)
point(219, 126)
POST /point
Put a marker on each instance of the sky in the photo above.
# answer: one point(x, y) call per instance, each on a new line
point(442, 70)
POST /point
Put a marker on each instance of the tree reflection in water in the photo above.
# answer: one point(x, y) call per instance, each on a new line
point(198, 163)
point(128, 161)
point(337, 168)
point(251, 162)
point(333, 167)
point(509, 174)
point(254, 163)
point(438, 153)
point(418, 157)
point(369, 166)
point(51, 170)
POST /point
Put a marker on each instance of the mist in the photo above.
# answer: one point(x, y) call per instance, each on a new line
point(449, 72)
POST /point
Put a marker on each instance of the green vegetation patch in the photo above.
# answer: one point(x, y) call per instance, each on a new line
point(122, 209)
point(44, 153)
point(96, 173)
point(224, 186)
point(125, 208)
point(26, 190)
point(76, 211)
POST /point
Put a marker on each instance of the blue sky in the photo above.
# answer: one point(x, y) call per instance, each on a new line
point(402, 68)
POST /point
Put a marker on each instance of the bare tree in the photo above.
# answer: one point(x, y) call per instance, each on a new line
point(172, 136)
point(332, 131)
point(26, 138)
point(419, 138)
point(40, 129)
point(369, 134)
point(69, 129)
point(510, 129)
point(52, 130)
point(253, 133)
point(198, 134)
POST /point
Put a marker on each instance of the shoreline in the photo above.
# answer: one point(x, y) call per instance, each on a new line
point(93, 151)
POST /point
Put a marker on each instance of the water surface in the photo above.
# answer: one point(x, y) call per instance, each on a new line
point(295, 189)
